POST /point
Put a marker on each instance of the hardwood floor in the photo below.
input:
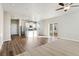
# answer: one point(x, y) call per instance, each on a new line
point(19, 45)
point(60, 47)
point(39, 46)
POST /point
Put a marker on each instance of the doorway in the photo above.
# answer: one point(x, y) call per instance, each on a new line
point(14, 27)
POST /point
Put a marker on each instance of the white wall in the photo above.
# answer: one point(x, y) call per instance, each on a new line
point(1, 25)
point(41, 30)
point(68, 25)
point(7, 24)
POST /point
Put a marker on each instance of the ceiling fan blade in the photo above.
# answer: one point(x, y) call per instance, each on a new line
point(62, 4)
point(60, 8)
point(75, 6)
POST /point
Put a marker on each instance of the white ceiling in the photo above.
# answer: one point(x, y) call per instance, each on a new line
point(33, 10)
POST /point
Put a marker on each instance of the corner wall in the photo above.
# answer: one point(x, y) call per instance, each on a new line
point(7, 24)
point(68, 25)
point(1, 25)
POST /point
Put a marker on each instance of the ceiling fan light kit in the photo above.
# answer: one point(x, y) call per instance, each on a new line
point(66, 8)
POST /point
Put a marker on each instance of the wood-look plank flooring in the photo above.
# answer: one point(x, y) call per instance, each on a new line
point(19, 45)
point(59, 47)
point(39, 46)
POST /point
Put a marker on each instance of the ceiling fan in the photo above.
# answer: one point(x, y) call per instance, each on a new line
point(66, 6)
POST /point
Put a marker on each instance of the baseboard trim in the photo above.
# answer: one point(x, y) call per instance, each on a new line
point(66, 38)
